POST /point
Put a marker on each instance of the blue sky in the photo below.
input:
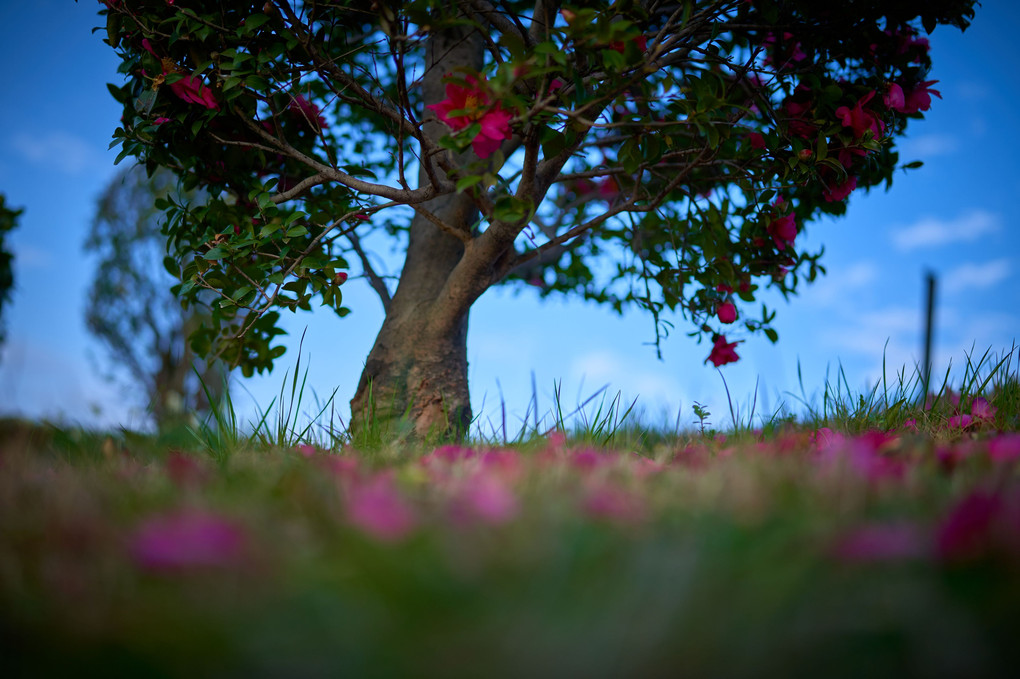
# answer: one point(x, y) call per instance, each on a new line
point(956, 216)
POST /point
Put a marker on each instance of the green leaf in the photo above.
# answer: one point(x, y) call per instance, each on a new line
point(215, 253)
point(297, 231)
point(257, 83)
point(467, 182)
point(913, 165)
point(510, 209)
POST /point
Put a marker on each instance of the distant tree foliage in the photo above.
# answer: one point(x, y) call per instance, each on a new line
point(8, 221)
point(131, 310)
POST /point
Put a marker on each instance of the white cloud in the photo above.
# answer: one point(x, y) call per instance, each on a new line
point(58, 150)
point(927, 146)
point(932, 231)
point(977, 276)
point(840, 284)
point(595, 369)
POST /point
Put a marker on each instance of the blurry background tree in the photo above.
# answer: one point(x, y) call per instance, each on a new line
point(142, 325)
point(8, 220)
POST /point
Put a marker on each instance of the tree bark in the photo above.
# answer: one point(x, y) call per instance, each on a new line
point(417, 368)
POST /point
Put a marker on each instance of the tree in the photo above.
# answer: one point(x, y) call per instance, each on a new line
point(659, 154)
point(130, 307)
point(8, 222)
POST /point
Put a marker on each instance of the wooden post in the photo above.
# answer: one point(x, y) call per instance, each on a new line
point(929, 331)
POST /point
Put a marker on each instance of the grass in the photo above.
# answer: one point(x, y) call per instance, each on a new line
point(878, 535)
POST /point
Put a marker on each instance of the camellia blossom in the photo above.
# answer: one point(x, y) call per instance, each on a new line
point(860, 119)
point(473, 104)
point(485, 498)
point(918, 99)
point(726, 312)
point(723, 352)
point(187, 540)
point(377, 507)
point(783, 231)
point(840, 191)
point(757, 140)
point(190, 87)
point(882, 542)
point(307, 111)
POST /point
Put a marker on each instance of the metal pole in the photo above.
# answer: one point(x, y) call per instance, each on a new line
point(929, 331)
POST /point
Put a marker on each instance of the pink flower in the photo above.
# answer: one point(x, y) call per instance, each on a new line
point(723, 352)
point(797, 113)
point(919, 98)
point(966, 530)
point(184, 540)
point(377, 507)
point(894, 98)
point(612, 503)
point(308, 112)
point(982, 410)
point(826, 438)
point(726, 312)
point(473, 105)
point(859, 119)
point(190, 89)
point(961, 421)
point(783, 230)
point(882, 542)
point(840, 191)
point(609, 189)
point(619, 46)
point(185, 470)
point(160, 121)
point(1004, 448)
point(306, 450)
point(486, 498)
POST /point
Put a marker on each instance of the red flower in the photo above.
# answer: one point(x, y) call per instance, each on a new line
point(190, 87)
point(919, 98)
point(378, 508)
point(307, 111)
point(186, 540)
point(859, 119)
point(619, 46)
point(473, 105)
point(723, 352)
point(726, 312)
point(783, 231)
point(757, 140)
point(894, 98)
point(838, 192)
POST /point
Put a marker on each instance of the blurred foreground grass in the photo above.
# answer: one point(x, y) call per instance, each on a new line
point(880, 537)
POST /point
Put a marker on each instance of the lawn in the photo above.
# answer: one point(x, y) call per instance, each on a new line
point(878, 535)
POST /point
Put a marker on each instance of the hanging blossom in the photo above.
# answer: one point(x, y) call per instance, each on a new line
point(783, 229)
point(860, 119)
point(917, 99)
point(723, 352)
point(465, 106)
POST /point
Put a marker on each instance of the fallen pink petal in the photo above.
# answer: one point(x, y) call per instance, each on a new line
point(187, 540)
point(377, 507)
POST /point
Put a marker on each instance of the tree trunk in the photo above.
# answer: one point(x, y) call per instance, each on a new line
point(417, 367)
